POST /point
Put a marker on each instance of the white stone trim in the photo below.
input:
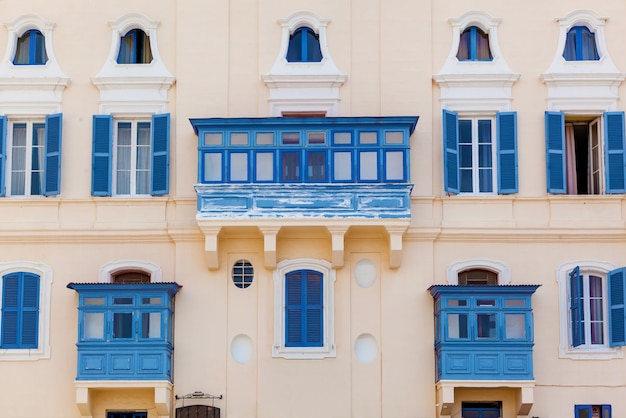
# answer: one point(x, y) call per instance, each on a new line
point(108, 270)
point(501, 269)
point(476, 85)
point(304, 86)
point(45, 285)
point(31, 89)
point(127, 88)
point(565, 349)
point(328, 274)
point(580, 85)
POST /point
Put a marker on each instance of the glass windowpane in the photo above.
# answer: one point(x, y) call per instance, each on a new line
point(264, 166)
point(486, 325)
point(342, 138)
point(515, 326)
point(213, 138)
point(457, 326)
point(122, 325)
point(368, 165)
point(239, 166)
point(368, 138)
point(394, 165)
point(342, 166)
point(151, 325)
point(239, 139)
point(94, 325)
point(394, 137)
point(265, 138)
point(212, 166)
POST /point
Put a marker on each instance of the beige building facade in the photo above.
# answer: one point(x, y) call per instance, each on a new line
point(440, 184)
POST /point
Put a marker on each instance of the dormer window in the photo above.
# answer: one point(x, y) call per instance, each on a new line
point(304, 46)
point(135, 48)
point(30, 49)
point(474, 45)
point(580, 45)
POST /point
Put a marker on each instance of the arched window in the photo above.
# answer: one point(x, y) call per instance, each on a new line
point(135, 48)
point(304, 46)
point(474, 45)
point(131, 276)
point(30, 49)
point(580, 45)
point(477, 277)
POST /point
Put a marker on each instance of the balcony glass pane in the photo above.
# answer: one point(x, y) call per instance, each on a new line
point(486, 325)
point(265, 138)
point(316, 138)
point(151, 301)
point(368, 164)
point(368, 138)
point(122, 301)
point(342, 166)
point(394, 165)
point(457, 302)
point(239, 139)
point(486, 302)
point(151, 325)
point(510, 303)
point(290, 138)
point(290, 166)
point(265, 166)
point(457, 325)
point(123, 325)
point(342, 138)
point(316, 166)
point(213, 138)
point(94, 325)
point(394, 138)
point(515, 326)
point(239, 166)
point(93, 301)
point(212, 166)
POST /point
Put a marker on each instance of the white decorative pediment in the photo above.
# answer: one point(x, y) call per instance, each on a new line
point(30, 89)
point(476, 85)
point(127, 88)
point(582, 85)
point(304, 86)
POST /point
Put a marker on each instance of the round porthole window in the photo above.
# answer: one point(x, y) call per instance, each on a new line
point(243, 272)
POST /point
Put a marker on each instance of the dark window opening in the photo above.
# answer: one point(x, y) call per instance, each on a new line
point(131, 277)
point(304, 114)
point(481, 409)
point(477, 277)
point(584, 158)
point(580, 45)
point(31, 49)
point(135, 48)
point(242, 274)
point(127, 415)
point(474, 45)
point(304, 46)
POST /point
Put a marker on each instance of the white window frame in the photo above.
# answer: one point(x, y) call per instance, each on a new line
point(583, 352)
point(28, 163)
point(501, 269)
point(45, 284)
point(328, 349)
point(133, 157)
point(109, 270)
point(475, 148)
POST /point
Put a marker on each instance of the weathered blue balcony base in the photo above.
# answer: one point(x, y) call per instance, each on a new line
point(280, 201)
point(485, 364)
point(122, 363)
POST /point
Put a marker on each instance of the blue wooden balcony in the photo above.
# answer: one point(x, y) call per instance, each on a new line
point(125, 331)
point(483, 332)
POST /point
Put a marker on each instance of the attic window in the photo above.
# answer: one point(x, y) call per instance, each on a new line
point(131, 277)
point(478, 277)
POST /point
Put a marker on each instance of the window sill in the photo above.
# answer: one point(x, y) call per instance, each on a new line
point(606, 353)
point(24, 354)
point(304, 353)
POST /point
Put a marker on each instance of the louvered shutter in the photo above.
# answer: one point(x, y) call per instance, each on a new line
point(160, 141)
point(3, 140)
point(293, 310)
point(52, 160)
point(555, 152)
point(451, 151)
point(314, 309)
point(617, 331)
point(606, 411)
point(577, 324)
point(10, 310)
point(506, 125)
point(102, 149)
point(30, 310)
point(614, 152)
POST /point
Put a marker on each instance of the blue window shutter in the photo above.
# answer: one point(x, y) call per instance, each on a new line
point(577, 323)
point(614, 152)
point(314, 309)
point(159, 175)
point(506, 125)
point(102, 148)
point(3, 141)
point(617, 330)
point(580, 408)
point(451, 151)
point(606, 411)
point(52, 160)
point(20, 310)
point(555, 152)
point(293, 309)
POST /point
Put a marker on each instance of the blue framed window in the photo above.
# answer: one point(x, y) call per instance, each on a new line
point(20, 310)
point(580, 45)
point(135, 48)
point(304, 46)
point(242, 274)
point(304, 309)
point(30, 157)
point(597, 308)
point(474, 45)
point(130, 158)
point(480, 156)
point(596, 162)
point(592, 411)
point(31, 49)
point(481, 410)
